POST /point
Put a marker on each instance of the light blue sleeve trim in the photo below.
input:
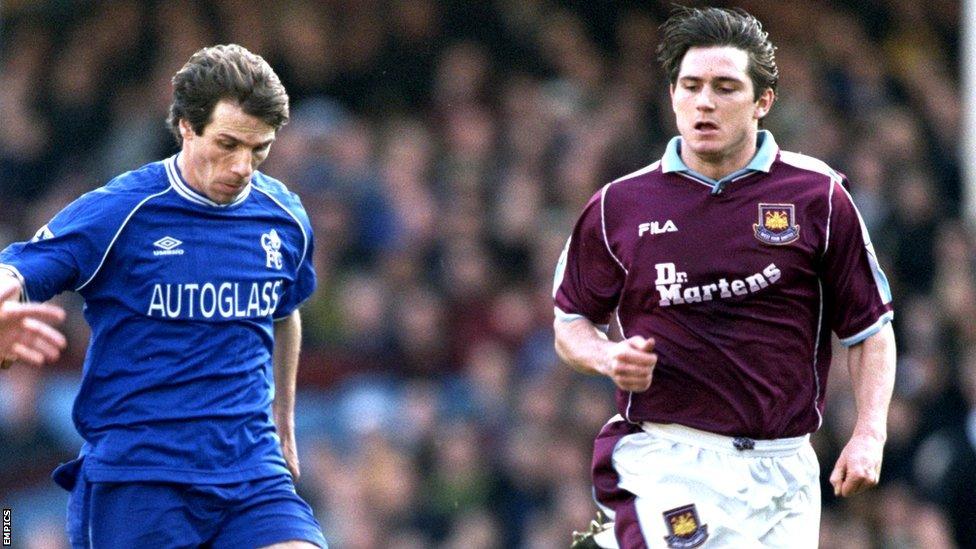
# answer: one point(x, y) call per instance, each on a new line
point(869, 331)
point(569, 317)
point(557, 279)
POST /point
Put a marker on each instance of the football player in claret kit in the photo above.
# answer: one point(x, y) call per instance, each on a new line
point(727, 264)
point(192, 270)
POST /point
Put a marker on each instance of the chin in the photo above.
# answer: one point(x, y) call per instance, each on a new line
point(707, 149)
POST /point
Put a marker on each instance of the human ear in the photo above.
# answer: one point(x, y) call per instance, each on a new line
point(186, 131)
point(765, 103)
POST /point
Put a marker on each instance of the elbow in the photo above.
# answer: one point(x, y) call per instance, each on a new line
point(557, 340)
point(565, 337)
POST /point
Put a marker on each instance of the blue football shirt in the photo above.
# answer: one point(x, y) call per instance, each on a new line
point(181, 294)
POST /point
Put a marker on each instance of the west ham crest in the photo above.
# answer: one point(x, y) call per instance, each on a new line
point(684, 528)
point(777, 224)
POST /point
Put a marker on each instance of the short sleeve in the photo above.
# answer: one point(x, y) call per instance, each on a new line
point(67, 252)
point(588, 278)
point(854, 282)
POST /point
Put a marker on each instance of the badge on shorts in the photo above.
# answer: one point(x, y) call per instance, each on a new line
point(684, 527)
point(776, 224)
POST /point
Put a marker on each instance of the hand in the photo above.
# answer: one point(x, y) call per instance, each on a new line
point(25, 331)
point(859, 466)
point(290, 450)
point(630, 363)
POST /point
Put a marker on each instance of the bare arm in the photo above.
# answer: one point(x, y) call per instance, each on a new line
point(629, 363)
point(872, 367)
point(288, 344)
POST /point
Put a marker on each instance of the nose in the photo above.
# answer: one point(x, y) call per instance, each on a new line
point(241, 165)
point(705, 100)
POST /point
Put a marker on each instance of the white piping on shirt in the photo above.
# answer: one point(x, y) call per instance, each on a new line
point(117, 233)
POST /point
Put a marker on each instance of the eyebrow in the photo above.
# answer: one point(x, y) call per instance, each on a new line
point(260, 145)
point(719, 79)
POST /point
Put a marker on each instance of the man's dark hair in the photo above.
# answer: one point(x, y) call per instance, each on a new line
point(707, 27)
point(226, 72)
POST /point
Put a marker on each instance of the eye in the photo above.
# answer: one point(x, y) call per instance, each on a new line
point(226, 145)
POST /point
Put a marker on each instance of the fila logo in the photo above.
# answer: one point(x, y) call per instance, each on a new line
point(167, 246)
point(655, 227)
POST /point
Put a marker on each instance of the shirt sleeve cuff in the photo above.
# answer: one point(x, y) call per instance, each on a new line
point(11, 270)
point(869, 331)
point(569, 317)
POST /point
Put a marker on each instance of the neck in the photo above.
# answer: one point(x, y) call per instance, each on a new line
point(185, 172)
point(718, 166)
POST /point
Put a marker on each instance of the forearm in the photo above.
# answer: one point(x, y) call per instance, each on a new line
point(582, 345)
point(872, 367)
point(288, 342)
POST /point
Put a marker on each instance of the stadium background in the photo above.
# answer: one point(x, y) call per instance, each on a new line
point(443, 149)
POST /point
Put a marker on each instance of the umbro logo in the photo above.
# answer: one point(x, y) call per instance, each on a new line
point(656, 227)
point(168, 246)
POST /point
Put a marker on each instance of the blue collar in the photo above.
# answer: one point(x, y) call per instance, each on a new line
point(762, 162)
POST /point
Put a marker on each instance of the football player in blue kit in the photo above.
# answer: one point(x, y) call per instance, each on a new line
point(192, 270)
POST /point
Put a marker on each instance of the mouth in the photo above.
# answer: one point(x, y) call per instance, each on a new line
point(706, 126)
point(236, 185)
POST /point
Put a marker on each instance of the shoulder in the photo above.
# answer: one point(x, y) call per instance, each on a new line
point(276, 191)
point(144, 182)
point(283, 202)
point(809, 164)
point(637, 178)
point(121, 196)
point(631, 188)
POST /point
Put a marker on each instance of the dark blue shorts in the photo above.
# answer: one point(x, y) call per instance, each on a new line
point(170, 515)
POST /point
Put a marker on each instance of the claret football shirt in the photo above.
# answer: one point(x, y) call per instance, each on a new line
point(740, 282)
point(181, 294)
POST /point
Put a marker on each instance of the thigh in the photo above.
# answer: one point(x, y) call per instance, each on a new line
point(798, 528)
point(683, 496)
point(146, 515)
point(269, 512)
point(795, 517)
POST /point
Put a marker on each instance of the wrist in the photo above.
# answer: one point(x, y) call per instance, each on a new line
point(284, 417)
point(9, 278)
point(873, 432)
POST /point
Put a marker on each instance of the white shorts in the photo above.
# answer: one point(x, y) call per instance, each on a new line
point(667, 485)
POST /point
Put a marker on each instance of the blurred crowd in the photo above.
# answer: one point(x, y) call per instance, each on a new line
point(443, 149)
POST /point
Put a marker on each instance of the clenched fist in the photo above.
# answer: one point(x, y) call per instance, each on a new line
point(630, 363)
